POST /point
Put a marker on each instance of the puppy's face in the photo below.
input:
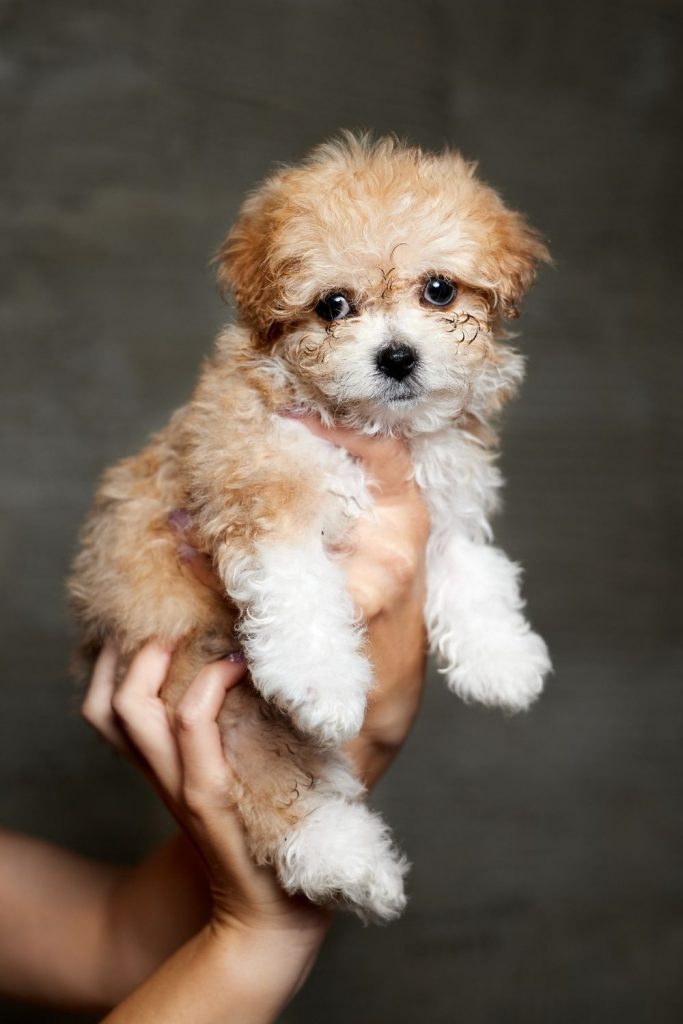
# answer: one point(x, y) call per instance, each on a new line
point(380, 275)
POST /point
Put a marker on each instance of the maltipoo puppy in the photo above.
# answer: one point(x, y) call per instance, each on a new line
point(371, 283)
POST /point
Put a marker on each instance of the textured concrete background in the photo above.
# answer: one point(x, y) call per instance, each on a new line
point(547, 849)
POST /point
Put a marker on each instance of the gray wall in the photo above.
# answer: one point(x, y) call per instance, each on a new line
point(546, 883)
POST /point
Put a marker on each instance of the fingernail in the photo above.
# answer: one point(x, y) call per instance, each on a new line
point(180, 520)
point(186, 552)
point(236, 656)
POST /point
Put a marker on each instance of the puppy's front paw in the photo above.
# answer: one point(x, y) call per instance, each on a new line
point(325, 698)
point(332, 713)
point(499, 663)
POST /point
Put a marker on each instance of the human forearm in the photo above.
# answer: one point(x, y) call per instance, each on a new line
point(154, 908)
point(53, 924)
point(82, 934)
point(223, 976)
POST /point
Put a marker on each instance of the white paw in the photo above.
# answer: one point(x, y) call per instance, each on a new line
point(326, 702)
point(342, 853)
point(329, 716)
point(496, 663)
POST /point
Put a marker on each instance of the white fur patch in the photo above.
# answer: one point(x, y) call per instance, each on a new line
point(474, 607)
point(343, 852)
point(301, 637)
point(489, 652)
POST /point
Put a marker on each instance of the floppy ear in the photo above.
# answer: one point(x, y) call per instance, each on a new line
point(515, 251)
point(249, 264)
point(242, 264)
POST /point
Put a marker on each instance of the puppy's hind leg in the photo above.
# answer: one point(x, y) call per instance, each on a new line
point(303, 814)
point(340, 851)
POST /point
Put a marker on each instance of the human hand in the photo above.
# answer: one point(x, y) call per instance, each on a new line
point(182, 755)
point(259, 944)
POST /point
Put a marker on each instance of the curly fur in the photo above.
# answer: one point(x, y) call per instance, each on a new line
point(269, 501)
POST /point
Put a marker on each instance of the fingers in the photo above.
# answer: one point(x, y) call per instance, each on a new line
point(207, 777)
point(387, 459)
point(97, 708)
point(197, 733)
point(144, 678)
point(143, 716)
point(182, 755)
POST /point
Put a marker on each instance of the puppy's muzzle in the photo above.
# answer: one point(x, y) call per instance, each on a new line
point(397, 360)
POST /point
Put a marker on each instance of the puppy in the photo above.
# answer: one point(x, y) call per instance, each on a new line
point(371, 283)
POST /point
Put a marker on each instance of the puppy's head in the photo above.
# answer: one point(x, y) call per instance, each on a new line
point(381, 275)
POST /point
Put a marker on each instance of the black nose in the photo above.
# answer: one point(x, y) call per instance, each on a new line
point(396, 360)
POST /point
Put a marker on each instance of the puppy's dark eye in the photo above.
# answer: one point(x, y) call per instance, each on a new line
point(334, 306)
point(439, 291)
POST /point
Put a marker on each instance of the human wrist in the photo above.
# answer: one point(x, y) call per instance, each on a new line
point(299, 930)
point(273, 961)
point(244, 974)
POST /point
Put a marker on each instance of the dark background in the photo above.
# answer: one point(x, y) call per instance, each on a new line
point(546, 884)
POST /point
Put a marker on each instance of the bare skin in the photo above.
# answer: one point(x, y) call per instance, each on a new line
point(258, 944)
point(76, 933)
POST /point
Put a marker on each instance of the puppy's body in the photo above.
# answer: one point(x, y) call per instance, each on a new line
point(376, 232)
